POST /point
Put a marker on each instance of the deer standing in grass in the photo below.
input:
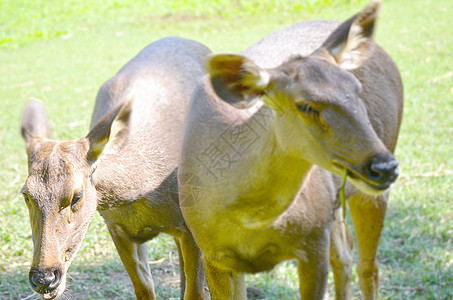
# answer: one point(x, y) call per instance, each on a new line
point(125, 168)
point(314, 93)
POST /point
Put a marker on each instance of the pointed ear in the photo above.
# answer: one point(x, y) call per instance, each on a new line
point(350, 44)
point(110, 134)
point(35, 124)
point(236, 79)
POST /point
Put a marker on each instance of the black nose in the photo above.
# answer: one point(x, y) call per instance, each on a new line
point(44, 281)
point(382, 169)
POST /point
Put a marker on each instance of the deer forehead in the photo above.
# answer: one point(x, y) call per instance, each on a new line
point(56, 171)
point(318, 80)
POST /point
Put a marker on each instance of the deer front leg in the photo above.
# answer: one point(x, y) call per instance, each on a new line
point(191, 268)
point(341, 247)
point(368, 213)
point(136, 261)
point(182, 274)
point(224, 285)
point(313, 268)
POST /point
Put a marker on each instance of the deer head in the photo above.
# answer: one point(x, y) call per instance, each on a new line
point(317, 103)
point(58, 191)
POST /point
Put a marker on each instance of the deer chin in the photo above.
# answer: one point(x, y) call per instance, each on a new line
point(368, 188)
point(364, 184)
point(58, 291)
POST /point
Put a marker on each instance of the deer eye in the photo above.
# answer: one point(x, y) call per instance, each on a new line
point(26, 197)
point(77, 197)
point(311, 112)
point(306, 108)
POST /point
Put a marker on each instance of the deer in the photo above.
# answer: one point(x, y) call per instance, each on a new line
point(269, 133)
point(125, 168)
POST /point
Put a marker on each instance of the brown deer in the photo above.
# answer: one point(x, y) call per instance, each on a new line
point(314, 93)
point(125, 168)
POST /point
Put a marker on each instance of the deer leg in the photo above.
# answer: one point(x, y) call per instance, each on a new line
point(135, 259)
point(192, 268)
point(341, 247)
point(313, 268)
point(182, 274)
point(368, 213)
point(223, 284)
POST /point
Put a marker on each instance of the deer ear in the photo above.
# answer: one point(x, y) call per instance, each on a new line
point(351, 43)
point(35, 124)
point(236, 79)
point(110, 134)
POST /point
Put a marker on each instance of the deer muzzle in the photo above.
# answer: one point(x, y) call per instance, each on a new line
point(373, 177)
point(45, 281)
point(382, 169)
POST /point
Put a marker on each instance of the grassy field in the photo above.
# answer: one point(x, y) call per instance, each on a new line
point(62, 51)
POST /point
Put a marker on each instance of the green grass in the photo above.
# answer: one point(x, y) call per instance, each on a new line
point(26, 21)
point(62, 53)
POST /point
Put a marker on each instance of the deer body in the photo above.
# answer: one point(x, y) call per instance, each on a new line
point(337, 104)
point(126, 169)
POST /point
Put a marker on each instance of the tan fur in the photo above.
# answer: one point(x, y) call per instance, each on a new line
point(249, 191)
point(125, 166)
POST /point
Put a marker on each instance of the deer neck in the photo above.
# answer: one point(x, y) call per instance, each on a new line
point(273, 176)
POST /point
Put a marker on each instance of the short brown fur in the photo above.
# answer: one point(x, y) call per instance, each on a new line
point(330, 96)
point(125, 168)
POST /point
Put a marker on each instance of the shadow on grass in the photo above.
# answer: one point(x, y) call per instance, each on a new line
point(107, 281)
point(111, 281)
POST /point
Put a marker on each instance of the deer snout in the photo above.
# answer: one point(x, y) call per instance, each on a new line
point(44, 280)
point(382, 169)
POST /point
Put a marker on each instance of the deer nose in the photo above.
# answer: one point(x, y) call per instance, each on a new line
point(382, 169)
point(44, 281)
